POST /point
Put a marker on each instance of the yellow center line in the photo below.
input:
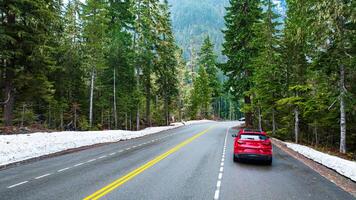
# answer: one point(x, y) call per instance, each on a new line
point(117, 183)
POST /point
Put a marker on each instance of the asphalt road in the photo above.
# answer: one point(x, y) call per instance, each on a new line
point(191, 162)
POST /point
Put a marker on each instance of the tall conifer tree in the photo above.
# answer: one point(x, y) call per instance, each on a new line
point(240, 48)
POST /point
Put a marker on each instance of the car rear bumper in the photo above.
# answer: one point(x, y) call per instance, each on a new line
point(254, 156)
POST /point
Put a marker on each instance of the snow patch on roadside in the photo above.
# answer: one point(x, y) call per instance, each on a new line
point(342, 166)
point(15, 148)
point(191, 122)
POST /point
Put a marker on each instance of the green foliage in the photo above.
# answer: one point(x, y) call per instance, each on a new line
point(50, 58)
point(28, 31)
point(207, 59)
point(294, 75)
point(239, 46)
point(201, 94)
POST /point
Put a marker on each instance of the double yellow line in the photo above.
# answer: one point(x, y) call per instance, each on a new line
point(117, 183)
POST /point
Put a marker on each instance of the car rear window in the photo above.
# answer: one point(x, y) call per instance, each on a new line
point(253, 137)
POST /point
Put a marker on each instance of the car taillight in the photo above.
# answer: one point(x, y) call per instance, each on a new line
point(240, 142)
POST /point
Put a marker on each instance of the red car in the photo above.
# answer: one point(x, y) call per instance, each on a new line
point(252, 144)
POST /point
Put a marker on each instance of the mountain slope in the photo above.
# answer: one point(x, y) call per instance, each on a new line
point(195, 19)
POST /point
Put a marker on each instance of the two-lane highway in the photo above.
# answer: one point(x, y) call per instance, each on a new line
point(191, 162)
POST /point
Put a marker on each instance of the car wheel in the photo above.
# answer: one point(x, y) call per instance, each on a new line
point(269, 162)
point(236, 159)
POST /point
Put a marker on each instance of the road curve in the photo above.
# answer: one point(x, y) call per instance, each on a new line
point(191, 162)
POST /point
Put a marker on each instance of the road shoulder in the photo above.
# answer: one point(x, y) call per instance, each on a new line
point(344, 183)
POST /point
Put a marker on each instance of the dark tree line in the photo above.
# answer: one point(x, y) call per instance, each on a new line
point(296, 77)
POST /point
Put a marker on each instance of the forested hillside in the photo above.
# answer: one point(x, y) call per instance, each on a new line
point(194, 20)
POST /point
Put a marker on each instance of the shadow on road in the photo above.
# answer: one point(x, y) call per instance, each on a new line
point(247, 162)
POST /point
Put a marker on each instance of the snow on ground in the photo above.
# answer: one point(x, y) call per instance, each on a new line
point(191, 122)
point(15, 148)
point(342, 166)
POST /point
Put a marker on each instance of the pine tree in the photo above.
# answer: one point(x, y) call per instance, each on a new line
point(68, 76)
point(207, 59)
point(203, 92)
point(267, 72)
point(26, 50)
point(295, 46)
point(94, 33)
point(334, 33)
point(146, 17)
point(240, 49)
point(167, 64)
point(119, 56)
point(184, 85)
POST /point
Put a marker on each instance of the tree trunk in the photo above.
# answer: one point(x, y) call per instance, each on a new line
point(61, 125)
point(296, 124)
point(91, 98)
point(49, 116)
point(138, 105)
point(148, 101)
point(156, 102)
point(259, 119)
point(248, 115)
point(9, 97)
point(102, 116)
point(166, 112)
point(23, 115)
point(219, 108)
point(9, 92)
point(180, 108)
point(130, 121)
point(125, 120)
point(273, 122)
point(75, 117)
point(138, 118)
point(115, 109)
point(109, 120)
point(315, 132)
point(230, 110)
point(342, 111)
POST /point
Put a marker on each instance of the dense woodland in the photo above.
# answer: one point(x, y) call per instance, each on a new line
point(101, 65)
point(298, 78)
point(115, 64)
